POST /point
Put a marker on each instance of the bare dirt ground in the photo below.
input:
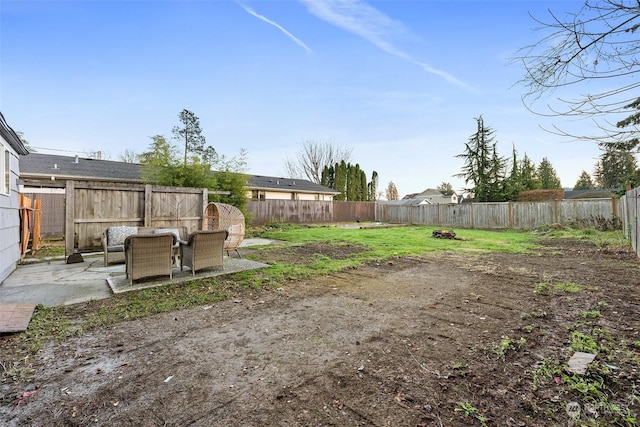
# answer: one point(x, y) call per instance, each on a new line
point(408, 342)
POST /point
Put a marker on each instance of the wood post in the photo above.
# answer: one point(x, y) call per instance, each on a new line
point(69, 225)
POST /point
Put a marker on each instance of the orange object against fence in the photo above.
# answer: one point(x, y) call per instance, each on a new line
point(26, 223)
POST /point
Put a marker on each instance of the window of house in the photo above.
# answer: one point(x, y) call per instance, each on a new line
point(294, 196)
point(5, 170)
point(258, 195)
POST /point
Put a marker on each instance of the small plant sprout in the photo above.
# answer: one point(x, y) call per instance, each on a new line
point(469, 410)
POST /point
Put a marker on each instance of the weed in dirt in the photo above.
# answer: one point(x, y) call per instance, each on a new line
point(568, 287)
point(583, 342)
point(542, 288)
point(16, 370)
point(591, 314)
point(507, 344)
point(471, 411)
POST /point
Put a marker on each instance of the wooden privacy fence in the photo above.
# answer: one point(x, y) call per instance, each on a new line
point(92, 207)
point(582, 213)
point(290, 211)
point(309, 211)
point(52, 219)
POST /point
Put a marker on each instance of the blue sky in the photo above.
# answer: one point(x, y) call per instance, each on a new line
point(400, 82)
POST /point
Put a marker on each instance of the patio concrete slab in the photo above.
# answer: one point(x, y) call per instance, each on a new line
point(55, 282)
point(119, 283)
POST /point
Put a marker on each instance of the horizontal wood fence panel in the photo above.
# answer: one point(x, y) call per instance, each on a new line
point(517, 215)
point(492, 215)
point(290, 211)
point(530, 215)
point(92, 207)
point(354, 211)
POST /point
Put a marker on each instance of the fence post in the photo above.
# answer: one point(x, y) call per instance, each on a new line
point(69, 235)
point(205, 203)
point(148, 192)
point(614, 207)
point(472, 221)
point(510, 219)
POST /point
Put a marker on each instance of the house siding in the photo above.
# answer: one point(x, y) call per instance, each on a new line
point(9, 217)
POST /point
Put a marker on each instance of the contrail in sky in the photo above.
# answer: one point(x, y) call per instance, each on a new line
point(278, 26)
point(370, 24)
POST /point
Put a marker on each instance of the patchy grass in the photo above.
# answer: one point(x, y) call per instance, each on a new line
point(375, 244)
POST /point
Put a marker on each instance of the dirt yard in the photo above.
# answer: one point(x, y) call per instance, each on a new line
point(442, 341)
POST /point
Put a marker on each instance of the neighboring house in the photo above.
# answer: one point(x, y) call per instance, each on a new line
point(431, 197)
point(11, 147)
point(260, 188)
point(41, 173)
point(589, 194)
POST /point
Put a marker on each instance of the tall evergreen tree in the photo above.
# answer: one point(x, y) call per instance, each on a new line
point(584, 182)
point(547, 175)
point(340, 180)
point(616, 168)
point(483, 168)
point(350, 181)
point(372, 187)
point(190, 134)
point(528, 174)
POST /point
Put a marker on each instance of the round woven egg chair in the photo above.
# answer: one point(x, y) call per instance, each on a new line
point(221, 216)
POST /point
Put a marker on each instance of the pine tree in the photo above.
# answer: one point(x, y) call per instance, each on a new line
point(483, 168)
point(616, 168)
point(547, 175)
point(584, 182)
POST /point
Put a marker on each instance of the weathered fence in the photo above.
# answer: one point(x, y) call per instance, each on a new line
point(52, 207)
point(630, 217)
point(518, 215)
point(91, 207)
point(289, 211)
point(309, 211)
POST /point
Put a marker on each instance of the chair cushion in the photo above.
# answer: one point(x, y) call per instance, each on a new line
point(173, 231)
point(116, 235)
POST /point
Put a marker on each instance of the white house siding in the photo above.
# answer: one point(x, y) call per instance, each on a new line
point(9, 215)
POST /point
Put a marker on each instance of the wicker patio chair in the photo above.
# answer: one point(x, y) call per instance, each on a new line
point(148, 255)
point(221, 216)
point(204, 249)
point(113, 243)
point(236, 236)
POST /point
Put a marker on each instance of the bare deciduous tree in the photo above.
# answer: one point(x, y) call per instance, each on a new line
point(128, 156)
point(392, 191)
point(597, 49)
point(313, 157)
